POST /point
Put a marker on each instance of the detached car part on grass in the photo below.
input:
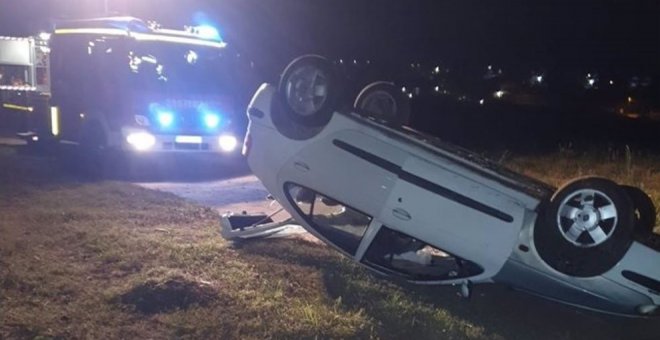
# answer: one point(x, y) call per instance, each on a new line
point(411, 206)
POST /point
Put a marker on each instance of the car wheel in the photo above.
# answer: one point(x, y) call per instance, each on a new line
point(586, 228)
point(382, 101)
point(309, 89)
point(644, 210)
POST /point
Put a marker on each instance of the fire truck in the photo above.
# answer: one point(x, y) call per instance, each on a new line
point(24, 82)
point(124, 84)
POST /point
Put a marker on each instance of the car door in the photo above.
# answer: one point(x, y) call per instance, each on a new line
point(336, 193)
point(455, 209)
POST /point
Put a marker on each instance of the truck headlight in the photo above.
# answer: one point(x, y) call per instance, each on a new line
point(227, 143)
point(141, 140)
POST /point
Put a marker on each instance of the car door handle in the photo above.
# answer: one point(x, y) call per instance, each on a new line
point(301, 166)
point(401, 214)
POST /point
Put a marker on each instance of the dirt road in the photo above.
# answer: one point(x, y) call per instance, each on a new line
point(237, 194)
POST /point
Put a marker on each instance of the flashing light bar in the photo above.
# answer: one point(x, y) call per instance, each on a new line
point(18, 107)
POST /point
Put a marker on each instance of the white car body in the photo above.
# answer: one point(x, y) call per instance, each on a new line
point(434, 193)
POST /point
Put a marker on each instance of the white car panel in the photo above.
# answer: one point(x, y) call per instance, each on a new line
point(438, 194)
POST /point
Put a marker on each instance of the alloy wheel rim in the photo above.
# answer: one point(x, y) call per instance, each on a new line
point(307, 90)
point(587, 218)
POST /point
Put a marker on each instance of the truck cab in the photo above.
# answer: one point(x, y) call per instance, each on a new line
point(124, 84)
point(25, 85)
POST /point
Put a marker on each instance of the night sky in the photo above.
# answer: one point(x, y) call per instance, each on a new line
point(617, 35)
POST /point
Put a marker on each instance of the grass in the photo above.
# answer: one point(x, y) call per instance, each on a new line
point(111, 260)
point(622, 165)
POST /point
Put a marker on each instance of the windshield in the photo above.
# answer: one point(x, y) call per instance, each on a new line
point(178, 68)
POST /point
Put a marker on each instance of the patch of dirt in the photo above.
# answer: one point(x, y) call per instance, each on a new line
point(176, 293)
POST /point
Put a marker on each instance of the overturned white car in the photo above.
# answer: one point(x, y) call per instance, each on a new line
point(408, 205)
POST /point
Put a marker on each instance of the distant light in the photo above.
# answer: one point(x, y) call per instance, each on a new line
point(436, 70)
point(165, 118)
point(35, 138)
point(341, 61)
point(208, 32)
point(355, 62)
point(539, 78)
point(611, 82)
point(82, 116)
point(410, 95)
point(481, 101)
point(588, 75)
point(141, 140)
point(403, 89)
point(436, 89)
point(499, 94)
point(227, 143)
point(490, 67)
point(44, 36)
point(630, 99)
point(592, 82)
point(211, 120)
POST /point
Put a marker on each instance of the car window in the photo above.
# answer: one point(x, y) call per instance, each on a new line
point(337, 222)
point(416, 260)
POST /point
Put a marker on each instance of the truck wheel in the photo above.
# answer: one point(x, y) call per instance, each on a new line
point(586, 228)
point(382, 101)
point(644, 210)
point(309, 90)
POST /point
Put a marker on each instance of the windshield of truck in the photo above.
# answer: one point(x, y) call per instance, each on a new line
point(178, 68)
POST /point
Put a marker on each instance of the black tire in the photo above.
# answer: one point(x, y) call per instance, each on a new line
point(644, 210)
point(383, 101)
point(298, 87)
point(586, 228)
